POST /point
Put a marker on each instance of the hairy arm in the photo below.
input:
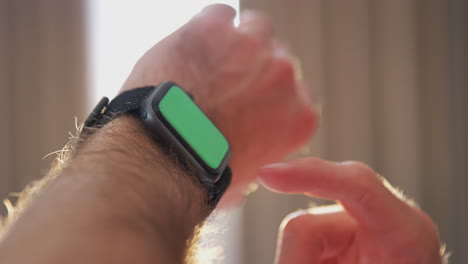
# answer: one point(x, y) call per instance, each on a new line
point(120, 200)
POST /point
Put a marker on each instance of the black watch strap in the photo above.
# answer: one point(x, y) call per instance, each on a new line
point(129, 102)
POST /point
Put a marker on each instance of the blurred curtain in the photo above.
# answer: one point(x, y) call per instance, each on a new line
point(391, 77)
point(42, 84)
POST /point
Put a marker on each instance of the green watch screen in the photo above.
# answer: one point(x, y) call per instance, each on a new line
point(194, 126)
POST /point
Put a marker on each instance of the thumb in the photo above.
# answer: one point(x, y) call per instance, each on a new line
point(308, 237)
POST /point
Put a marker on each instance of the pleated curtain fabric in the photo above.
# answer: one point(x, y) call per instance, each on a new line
point(391, 83)
point(42, 84)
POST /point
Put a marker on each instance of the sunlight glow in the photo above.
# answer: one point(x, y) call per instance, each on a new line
point(120, 31)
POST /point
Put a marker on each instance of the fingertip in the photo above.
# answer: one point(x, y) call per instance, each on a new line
point(295, 176)
point(272, 169)
point(218, 11)
point(272, 175)
point(257, 25)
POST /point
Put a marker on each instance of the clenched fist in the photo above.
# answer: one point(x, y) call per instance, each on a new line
point(242, 79)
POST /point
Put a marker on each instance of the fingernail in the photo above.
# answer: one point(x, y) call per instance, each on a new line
point(274, 167)
point(279, 165)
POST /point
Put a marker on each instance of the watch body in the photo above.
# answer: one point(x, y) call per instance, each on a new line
point(177, 122)
point(179, 126)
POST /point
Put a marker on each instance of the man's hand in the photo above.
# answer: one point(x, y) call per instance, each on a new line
point(120, 198)
point(244, 82)
point(372, 224)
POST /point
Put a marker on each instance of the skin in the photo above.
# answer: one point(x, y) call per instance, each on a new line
point(120, 199)
point(371, 224)
point(245, 83)
point(109, 206)
point(129, 202)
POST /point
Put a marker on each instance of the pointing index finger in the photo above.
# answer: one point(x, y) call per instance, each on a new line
point(355, 185)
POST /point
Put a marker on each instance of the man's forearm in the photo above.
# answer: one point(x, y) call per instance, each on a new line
point(121, 199)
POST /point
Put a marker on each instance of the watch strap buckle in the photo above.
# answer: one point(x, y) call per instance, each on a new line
point(98, 111)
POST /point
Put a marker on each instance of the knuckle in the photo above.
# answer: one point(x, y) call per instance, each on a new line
point(360, 167)
point(362, 171)
point(285, 69)
point(368, 185)
point(221, 8)
point(256, 24)
point(196, 44)
point(216, 14)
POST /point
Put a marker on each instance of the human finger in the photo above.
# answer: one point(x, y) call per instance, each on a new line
point(256, 25)
point(310, 236)
point(220, 13)
point(355, 185)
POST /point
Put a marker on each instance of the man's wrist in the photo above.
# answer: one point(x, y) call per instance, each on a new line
point(146, 183)
point(119, 199)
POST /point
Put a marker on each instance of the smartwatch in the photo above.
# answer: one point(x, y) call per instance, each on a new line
point(179, 126)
